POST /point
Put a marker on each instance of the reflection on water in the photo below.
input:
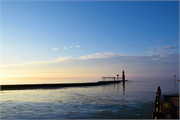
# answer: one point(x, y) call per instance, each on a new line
point(97, 102)
point(116, 87)
point(123, 89)
point(176, 84)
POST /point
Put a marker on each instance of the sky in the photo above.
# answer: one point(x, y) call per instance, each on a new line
point(89, 39)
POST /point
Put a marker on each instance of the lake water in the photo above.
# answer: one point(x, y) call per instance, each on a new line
point(135, 100)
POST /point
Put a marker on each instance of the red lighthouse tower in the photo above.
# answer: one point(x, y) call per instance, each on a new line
point(123, 76)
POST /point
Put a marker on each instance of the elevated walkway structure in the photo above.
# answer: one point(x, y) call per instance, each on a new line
point(111, 78)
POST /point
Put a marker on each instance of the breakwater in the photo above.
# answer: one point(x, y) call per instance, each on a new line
point(48, 86)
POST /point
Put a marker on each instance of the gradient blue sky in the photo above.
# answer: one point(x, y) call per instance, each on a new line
point(86, 34)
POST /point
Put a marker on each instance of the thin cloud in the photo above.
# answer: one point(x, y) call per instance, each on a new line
point(146, 65)
point(65, 48)
point(77, 46)
point(149, 52)
point(60, 59)
point(160, 40)
point(111, 40)
point(144, 43)
point(157, 49)
point(55, 48)
point(71, 47)
point(126, 46)
point(100, 55)
point(168, 47)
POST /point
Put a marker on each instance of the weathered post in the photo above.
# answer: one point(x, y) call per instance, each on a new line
point(159, 90)
point(123, 76)
point(174, 77)
point(159, 107)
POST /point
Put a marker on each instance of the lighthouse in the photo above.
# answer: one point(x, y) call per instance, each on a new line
point(123, 76)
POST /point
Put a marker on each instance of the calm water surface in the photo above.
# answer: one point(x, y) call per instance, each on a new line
point(113, 101)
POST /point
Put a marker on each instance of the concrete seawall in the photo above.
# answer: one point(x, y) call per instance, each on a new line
point(47, 86)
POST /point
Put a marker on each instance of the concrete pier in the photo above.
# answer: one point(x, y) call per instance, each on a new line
point(47, 86)
point(44, 86)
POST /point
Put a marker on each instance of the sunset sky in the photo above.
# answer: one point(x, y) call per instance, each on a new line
point(88, 40)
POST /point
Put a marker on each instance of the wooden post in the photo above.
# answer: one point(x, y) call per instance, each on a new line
point(159, 90)
point(174, 77)
point(155, 115)
point(156, 105)
point(160, 112)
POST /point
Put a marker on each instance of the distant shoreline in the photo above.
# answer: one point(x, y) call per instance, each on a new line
point(48, 86)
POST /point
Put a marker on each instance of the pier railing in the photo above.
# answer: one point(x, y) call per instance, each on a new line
point(111, 78)
point(160, 110)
